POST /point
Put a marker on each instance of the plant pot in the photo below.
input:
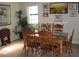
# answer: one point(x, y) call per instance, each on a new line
point(20, 35)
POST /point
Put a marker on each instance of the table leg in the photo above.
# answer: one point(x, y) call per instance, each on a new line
point(9, 39)
point(2, 41)
point(61, 47)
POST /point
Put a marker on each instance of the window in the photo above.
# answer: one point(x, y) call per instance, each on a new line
point(33, 14)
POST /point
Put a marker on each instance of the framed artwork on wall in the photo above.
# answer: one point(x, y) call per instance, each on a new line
point(58, 8)
point(73, 13)
point(5, 15)
point(45, 14)
point(73, 6)
point(58, 18)
point(45, 7)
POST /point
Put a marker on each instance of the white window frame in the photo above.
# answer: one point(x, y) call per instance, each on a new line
point(30, 20)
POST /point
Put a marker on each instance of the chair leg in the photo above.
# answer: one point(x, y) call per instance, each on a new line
point(71, 49)
point(36, 51)
point(2, 41)
point(39, 51)
point(69, 53)
point(28, 51)
point(24, 46)
point(42, 52)
point(56, 52)
point(9, 39)
point(46, 53)
point(32, 51)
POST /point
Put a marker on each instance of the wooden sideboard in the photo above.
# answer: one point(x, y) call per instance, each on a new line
point(5, 33)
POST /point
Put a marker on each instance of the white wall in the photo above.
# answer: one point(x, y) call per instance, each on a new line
point(69, 22)
point(14, 19)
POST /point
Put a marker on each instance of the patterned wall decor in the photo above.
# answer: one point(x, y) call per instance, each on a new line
point(73, 6)
point(45, 9)
point(58, 18)
point(45, 14)
point(73, 9)
point(58, 8)
point(73, 13)
point(4, 15)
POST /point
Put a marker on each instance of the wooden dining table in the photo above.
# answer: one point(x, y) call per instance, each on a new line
point(54, 40)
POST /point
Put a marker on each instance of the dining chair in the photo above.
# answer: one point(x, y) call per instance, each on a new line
point(29, 41)
point(67, 45)
point(25, 32)
point(45, 41)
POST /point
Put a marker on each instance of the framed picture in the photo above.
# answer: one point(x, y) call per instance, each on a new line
point(58, 8)
point(1, 11)
point(73, 6)
point(73, 13)
point(45, 14)
point(45, 6)
point(58, 18)
point(5, 15)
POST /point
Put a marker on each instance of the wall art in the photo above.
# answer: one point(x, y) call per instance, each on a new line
point(58, 18)
point(5, 15)
point(58, 8)
point(45, 7)
point(45, 14)
point(73, 13)
point(73, 6)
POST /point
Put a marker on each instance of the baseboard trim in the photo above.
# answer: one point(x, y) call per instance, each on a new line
point(75, 42)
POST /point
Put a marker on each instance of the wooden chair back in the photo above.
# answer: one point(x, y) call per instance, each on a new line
point(57, 27)
point(71, 37)
point(25, 32)
point(45, 37)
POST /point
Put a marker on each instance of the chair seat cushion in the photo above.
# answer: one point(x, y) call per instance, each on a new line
point(60, 34)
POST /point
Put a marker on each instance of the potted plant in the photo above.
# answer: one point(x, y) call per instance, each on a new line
point(22, 24)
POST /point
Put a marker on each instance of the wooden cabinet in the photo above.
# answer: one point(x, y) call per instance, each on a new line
point(5, 33)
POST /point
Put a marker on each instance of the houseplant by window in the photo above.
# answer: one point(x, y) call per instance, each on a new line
point(22, 24)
